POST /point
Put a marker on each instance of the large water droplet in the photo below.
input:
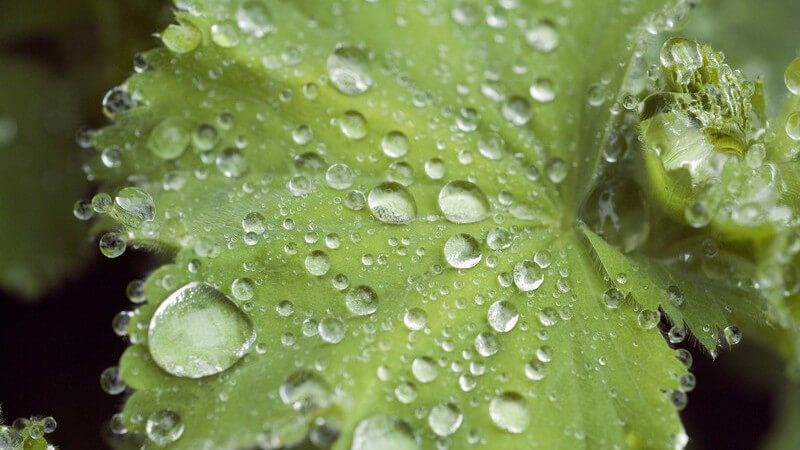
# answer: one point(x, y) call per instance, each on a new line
point(353, 125)
point(384, 433)
point(391, 203)
point(509, 411)
point(317, 263)
point(462, 251)
point(133, 205)
point(164, 427)
point(792, 77)
point(348, 71)
point(198, 331)
point(463, 202)
point(445, 419)
point(424, 369)
point(394, 144)
point(527, 275)
point(232, 163)
point(169, 139)
point(362, 300)
point(305, 391)
point(502, 316)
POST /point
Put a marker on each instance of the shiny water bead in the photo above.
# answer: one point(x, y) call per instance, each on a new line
point(362, 300)
point(384, 433)
point(613, 298)
point(681, 53)
point(224, 34)
point(400, 172)
point(697, 215)
point(112, 245)
point(792, 77)
point(101, 203)
point(517, 110)
point(394, 144)
point(543, 36)
point(164, 427)
point(415, 319)
point(205, 137)
point(793, 126)
point(198, 331)
point(527, 275)
point(242, 288)
point(424, 369)
point(317, 263)
point(339, 176)
point(391, 203)
point(305, 391)
point(405, 392)
point(732, 335)
point(435, 169)
point(181, 38)
point(232, 163)
point(82, 210)
point(133, 206)
point(556, 170)
point(117, 100)
point(499, 238)
point(169, 139)
point(463, 202)
point(491, 146)
point(111, 381)
point(687, 382)
point(486, 344)
point(445, 419)
point(648, 318)
point(348, 70)
point(353, 125)
point(468, 119)
point(462, 251)
point(679, 399)
point(355, 200)
point(135, 292)
point(254, 18)
point(542, 91)
point(302, 135)
point(676, 334)
point(502, 316)
point(253, 222)
point(675, 295)
point(684, 357)
point(331, 330)
point(509, 411)
point(117, 424)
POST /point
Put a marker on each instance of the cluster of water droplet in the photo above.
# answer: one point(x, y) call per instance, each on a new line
point(27, 433)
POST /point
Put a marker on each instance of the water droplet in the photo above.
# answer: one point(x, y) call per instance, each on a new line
point(362, 300)
point(254, 18)
point(224, 34)
point(681, 53)
point(613, 298)
point(542, 91)
point(112, 245)
point(543, 36)
point(111, 382)
point(463, 202)
point(232, 163)
point(133, 205)
point(675, 296)
point(253, 222)
point(198, 331)
point(792, 77)
point(331, 330)
point(181, 38)
point(348, 71)
point(732, 335)
point(435, 169)
point(384, 433)
point(394, 144)
point(415, 319)
point(169, 139)
point(556, 170)
point(676, 334)
point(517, 110)
point(339, 176)
point(648, 318)
point(164, 427)
point(117, 100)
point(242, 288)
point(527, 275)
point(697, 215)
point(305, 391)
point(491, 146)
point(391, 203)
point(793, 126)
point(462, 251)
point(486, 344)
point(353, 125)
point(499, 238)
point(406, 393)
point(317, 263)
point(535, 370)
point(424, 369)
point(502, 316)
point(445, 419)
point(205, 137)
point(509, 411)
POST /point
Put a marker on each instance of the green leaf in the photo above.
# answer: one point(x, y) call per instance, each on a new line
point(41, 241)
point(439, 289)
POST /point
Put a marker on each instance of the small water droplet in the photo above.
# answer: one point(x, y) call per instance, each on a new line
point(502, 316)
point(391, 203)
point(362, 300)
point(348, 71)
point(164, 427)
point(462, 251)
point(445, 419)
